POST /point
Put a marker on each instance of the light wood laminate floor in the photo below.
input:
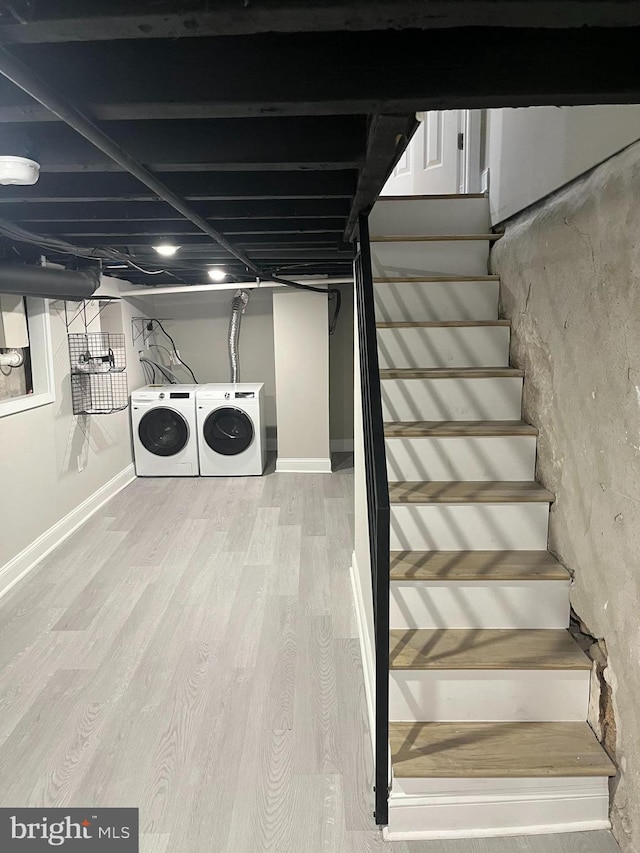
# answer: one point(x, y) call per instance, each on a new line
point(192, 651)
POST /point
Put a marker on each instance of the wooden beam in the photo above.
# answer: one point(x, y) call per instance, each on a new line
point(223, 186)
point(105, 231)
point(77, 20)
point(377, 73)
point(34, 214)
point(286, 144)
point(388, 137)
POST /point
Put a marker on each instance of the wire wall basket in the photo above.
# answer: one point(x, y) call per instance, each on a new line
point(97, 352)
point(99, 393)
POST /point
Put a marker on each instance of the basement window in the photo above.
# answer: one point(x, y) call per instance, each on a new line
point(26, 365)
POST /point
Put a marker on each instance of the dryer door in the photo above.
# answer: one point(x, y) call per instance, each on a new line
point(163, 432)
point(228, 431)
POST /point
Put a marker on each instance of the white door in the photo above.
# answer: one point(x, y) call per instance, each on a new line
point(437, 160)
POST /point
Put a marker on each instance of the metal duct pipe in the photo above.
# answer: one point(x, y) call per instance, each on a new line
point(48, 283)
point(238, 307)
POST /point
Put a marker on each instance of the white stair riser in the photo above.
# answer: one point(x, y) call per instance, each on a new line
point(479, 604)
point(505, 457)
point(464, 808)
point(469, 527)
point(436, 301)
point(485, 695)
point(415, 217)
point(457, 399)
point(449, 346)
point(430, 257)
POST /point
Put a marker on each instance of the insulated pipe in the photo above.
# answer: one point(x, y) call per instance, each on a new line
point(48, 283)
point(238, 307)
point(19, 74)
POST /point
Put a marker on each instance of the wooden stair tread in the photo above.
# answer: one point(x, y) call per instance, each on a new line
point(450, 373)
point(429, 197)
point(417, 429)
point(498, 750)
point(435, 324)
point(485, 649)
point(433, 238)
point(432, 278)
point(465, 492)
point(475, 566)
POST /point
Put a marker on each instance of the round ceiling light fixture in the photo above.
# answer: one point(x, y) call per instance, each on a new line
point(18, 171)
point(167, 250)
point(217, 274)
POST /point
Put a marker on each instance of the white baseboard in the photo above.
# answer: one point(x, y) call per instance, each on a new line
point(366, 650)
point(303, 465)
point(497, 832)
point(29, 557)
point(341, 445)
point(431, 809)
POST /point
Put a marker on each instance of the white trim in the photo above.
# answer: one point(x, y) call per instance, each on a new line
point(41, 352)
point(303, 465)
point(341, 445)
point(366, 650)
point(430, 809)
point(498, 832)
point(234, 285)
point(471, 127)
point(27, 559)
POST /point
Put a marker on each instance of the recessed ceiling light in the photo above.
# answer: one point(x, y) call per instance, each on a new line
point(167, 250)
point(217, 274)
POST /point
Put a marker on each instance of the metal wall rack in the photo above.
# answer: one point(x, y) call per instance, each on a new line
point(98, 361)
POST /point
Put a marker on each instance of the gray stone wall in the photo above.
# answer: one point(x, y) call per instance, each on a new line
point(570, 272)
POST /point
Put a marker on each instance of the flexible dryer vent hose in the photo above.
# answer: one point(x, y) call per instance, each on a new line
point(238, 307)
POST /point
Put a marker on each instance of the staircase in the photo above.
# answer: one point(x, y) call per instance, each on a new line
point(488, 692)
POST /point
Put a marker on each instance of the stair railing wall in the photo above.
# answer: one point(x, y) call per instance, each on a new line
point(377, 494)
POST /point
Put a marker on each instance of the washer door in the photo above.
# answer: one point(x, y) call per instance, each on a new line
point(228, 431)
point(163, 432)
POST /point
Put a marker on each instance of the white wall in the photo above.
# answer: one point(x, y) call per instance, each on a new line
point(341, 374)
point(199, 324)
point(532, 152)
point(300, 325)
point(361, 568)
point(40, 447)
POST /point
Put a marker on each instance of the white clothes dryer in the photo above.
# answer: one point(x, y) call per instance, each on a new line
point(163, 423)
point(232, 439)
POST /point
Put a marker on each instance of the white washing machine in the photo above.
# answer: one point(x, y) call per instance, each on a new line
point(232, 438)
point(163, 422)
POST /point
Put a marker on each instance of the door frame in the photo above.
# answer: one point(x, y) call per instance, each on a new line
point(470, 126)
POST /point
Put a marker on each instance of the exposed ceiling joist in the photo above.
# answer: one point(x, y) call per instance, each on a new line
point(76, 20)
point(345, 74)
point(283, 144)
point(155, 211)
point(388, 136)
point(173, 228)
point(221, 186)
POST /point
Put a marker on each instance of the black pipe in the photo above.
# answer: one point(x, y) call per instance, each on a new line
point(19, 74)
point(47, 283)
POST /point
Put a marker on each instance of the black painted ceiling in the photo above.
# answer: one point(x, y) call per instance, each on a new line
point(278, 121)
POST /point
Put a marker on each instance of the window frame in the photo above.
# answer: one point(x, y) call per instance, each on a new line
point(41, 354)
